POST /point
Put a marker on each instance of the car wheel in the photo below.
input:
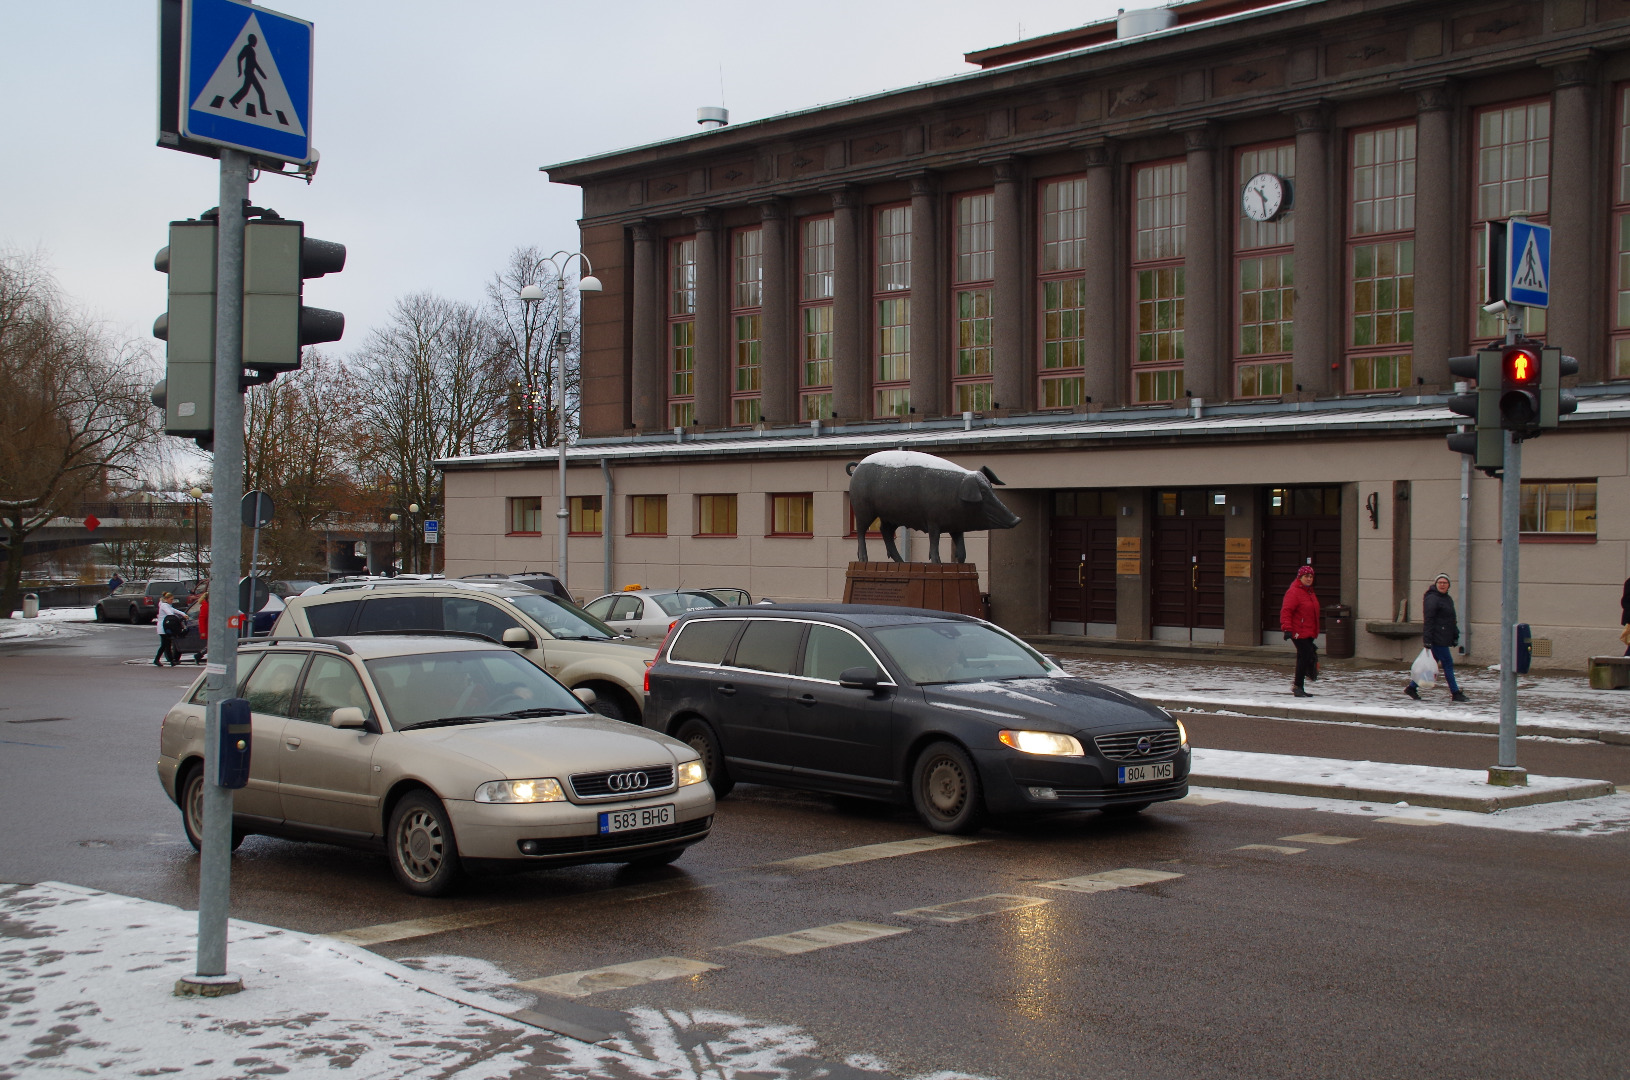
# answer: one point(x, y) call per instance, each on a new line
point(609, 704)
point(1126, 809)
point(699, 736)
point(192, 810)
point(423, 853)
point(99, 616)
point(135, 616)
point(945, 790)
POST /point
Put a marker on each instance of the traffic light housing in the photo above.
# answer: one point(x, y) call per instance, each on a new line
point(187, 393)
point(1483, 439)
point(1520, 388)
point(1554, 402)
point(277, 258)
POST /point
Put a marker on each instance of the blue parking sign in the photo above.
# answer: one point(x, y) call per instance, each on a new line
point(246, 76)
point(1528, 264)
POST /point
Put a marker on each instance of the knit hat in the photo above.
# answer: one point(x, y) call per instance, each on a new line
point(1305, 568)
point(1444, 577)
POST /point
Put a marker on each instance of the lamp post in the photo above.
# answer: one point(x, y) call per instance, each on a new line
point(197, 494)
point(531, 294)
point(412, 509)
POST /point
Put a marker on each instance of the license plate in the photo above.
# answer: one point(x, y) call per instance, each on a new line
point(1126, 774)
point(645, 817)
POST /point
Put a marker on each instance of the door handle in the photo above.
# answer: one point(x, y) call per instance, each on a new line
point(807, 700)
point(727, 691)
point(1081, 574)
point(1194, 577)
point(292, 743)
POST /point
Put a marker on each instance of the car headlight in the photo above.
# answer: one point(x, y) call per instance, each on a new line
point(1182, 732)
point(520, 791)
point(1042, 742)
point(691, 772)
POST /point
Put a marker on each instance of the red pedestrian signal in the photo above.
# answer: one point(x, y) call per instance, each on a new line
point(1521, 365)
point(1519, 388)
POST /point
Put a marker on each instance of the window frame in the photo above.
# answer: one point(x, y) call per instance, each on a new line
point(812, 396)
point(680, 408)
point(1069, 373)
point(773, 530)
point(577, 507)
point(702, 517)
point(513, 504)
point(1240, 254)
point(879, 295)
point(1618, 298)
point(1545, 536)
point(1404, 352)
point(1135, 266)
point(747, 402)
point(637, 513)
point(1534, 324)
point(962, 385)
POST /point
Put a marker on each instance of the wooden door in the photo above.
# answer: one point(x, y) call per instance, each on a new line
point(1293, 540)
point(1081, 570)
point(1186, 573)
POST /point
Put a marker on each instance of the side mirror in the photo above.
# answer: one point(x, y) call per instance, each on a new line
point(519, 638)
point(348, 717)
point(859, 678)
point(585, 695)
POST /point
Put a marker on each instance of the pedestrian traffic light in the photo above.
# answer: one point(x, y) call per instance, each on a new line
point(1554, 401)
point(277, 258)
point(1483, 439)
point(1519, 388)
point(187, 392)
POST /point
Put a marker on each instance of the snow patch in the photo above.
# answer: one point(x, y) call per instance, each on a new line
point(903, 459)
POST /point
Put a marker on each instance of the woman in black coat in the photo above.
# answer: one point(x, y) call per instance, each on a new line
point(1441, 633)
point(1624, 611)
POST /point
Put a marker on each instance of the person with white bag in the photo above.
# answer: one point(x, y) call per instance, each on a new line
point(1441, 633)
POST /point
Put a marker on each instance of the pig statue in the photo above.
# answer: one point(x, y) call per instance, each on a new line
point(923, 492)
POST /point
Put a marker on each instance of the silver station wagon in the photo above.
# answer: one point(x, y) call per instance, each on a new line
point(441, 752)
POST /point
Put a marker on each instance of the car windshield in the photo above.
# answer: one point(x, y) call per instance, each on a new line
point(565, 621)
point(932, 653)
point(482, 684)
point(677, 603)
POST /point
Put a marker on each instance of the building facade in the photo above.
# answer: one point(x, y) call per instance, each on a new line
point(1190, 293)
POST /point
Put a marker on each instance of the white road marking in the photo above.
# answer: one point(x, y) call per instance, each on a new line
point(414, 928)
point(1320, 838)
point(820, 937)
point(1279, 849)
point(1401, 820)
point(618, 976)
point(1200, 800)
point(1109, 879)
point(867, 853)
point(961, 910)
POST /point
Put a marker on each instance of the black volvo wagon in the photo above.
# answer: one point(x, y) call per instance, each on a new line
point(949, 713)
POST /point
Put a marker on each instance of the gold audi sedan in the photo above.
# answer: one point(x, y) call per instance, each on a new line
point(442, 752)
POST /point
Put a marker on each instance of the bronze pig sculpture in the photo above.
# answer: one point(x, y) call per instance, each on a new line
point(926, 493)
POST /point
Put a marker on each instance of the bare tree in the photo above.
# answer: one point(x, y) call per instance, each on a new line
point(532, 338)
point(74, 410)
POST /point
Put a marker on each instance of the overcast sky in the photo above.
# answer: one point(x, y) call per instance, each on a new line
point(432, 120)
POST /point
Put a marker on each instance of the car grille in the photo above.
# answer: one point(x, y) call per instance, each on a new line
point(624, 783)
point(1124, 747)
point(572, 845)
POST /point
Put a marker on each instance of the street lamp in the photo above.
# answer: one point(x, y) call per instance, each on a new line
point(412, 509)
point(197, 494)
point(531, 294)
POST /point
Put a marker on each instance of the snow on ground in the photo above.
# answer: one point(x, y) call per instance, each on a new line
point(1586, 817)
point(51, 622)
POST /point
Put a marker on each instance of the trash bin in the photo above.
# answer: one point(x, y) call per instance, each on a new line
point(1339, 640)
point(31, 605)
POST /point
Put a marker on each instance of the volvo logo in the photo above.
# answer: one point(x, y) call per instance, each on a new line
point(628, 781)
point(1145, 744)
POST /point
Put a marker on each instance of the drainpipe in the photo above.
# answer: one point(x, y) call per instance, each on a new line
point(606, 514)
point(1463, 609)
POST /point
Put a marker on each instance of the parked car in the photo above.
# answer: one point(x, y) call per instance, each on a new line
point(731, 597)
point(574, 647)
point(533, 579)
point(648, 613)
point(440, 751)
point(137, 601)
point(947, 713)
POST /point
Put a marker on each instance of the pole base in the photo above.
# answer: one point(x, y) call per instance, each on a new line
point(1508, 776)
point(208, 985)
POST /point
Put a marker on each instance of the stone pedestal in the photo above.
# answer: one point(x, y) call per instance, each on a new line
point(936, 586)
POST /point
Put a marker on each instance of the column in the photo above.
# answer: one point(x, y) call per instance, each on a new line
point(1574, 323)
point(779, 365)
point(712, 371)
point(650, 305)
point(1242, 570)
point(1010, 364)
point(928, 363)
point(1316, 217)
point(1439, 331)
point(1107, 372)
point(1204, 351)
point(851, 352)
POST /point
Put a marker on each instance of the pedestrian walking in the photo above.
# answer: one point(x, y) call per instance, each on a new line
point(171, 623)
point(1299, 618)
point(198, 624)
point(1440, 635)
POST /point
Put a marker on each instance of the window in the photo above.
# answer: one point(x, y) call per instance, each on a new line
point(270, 689)
point(1264, 283)
point(891, 290)
point(648, 515)
point(1554, 508)
point(705, 641)
point(1063, 294)
point(682, 332)
point(1381, 260)
point(1304, 502)
point(747, 325)
point(792, 515)
point(816, 287)
point(1159, 233)
point(769, 645)
point(469, 615)
point(715, 515)
point(830, 651)
point(872, 527)
point(1513, 177)
point(971, 301)
point(1620, 365)
point(585, 515)
point(526, 515)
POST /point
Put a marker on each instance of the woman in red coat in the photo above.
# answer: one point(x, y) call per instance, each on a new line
point(1299, 618)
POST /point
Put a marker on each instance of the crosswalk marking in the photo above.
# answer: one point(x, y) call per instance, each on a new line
point(820, 937)
point(1279, 849)
point(867, 853)
point(412, 928)
point(1319, 838)
point(961, 910)
point(618, 976)
point(1109, 879)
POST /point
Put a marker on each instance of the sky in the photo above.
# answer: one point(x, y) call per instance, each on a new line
point(432, 120)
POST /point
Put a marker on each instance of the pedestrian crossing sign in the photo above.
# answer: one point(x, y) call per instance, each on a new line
point(1528, 263)
point(246, 79)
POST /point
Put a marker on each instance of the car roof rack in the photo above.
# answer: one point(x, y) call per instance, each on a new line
point(425, 633)
point(332, 643)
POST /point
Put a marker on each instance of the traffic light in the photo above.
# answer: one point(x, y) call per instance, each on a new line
point(1553, 400)
point(277, 258)
point(187, 392)
point(1519, 388)
point(1484, 439)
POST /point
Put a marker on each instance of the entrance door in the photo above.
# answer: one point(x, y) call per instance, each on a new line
point(1186, 568)
point(1081, 568)
point(1301, 525)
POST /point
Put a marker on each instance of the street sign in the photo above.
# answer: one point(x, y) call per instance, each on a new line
point(246, 75)
point(1528, 264)
point(432, 531)
point(257, 509)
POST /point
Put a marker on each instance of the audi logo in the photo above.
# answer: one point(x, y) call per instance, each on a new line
point(628, 781)
point(1145, 744)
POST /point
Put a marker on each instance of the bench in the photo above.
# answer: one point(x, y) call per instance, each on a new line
point(1609, 672)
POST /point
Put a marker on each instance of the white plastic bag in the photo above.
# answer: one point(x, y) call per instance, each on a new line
point(1425, 669)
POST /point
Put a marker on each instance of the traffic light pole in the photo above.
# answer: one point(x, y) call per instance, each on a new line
point(1506, 773)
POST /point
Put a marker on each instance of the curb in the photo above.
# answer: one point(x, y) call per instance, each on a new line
point(1384, 719)
point(1486, 804)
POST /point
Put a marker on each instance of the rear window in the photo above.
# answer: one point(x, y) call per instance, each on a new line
point(330, 620)
point(400, 614)
point(705, 641)
point(769, 645)
point(679, 603)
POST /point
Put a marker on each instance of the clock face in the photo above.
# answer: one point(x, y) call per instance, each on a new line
point(1264, 197)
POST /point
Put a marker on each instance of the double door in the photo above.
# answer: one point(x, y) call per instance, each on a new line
point(1289, 543)
point(1081, 571)
point(1186, 573)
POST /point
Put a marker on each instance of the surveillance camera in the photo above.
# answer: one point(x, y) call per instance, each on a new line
point(1496, 308)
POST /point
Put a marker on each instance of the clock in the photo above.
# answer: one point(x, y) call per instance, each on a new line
point(1265, 197)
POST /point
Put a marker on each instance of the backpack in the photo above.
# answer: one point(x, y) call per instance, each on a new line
point(175, 625)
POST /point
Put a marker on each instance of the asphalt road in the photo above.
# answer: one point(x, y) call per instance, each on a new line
point(1407, 951)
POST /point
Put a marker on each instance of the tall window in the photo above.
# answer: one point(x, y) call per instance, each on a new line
point(891, 303)
point(747, 325)
point(682, 331)
point(971, 300)
point(584, 511)
point(1513, 178)
point(1621, 235)
point(816, 287)
point(715, 515)
point(1159, 230)
point(1559, 508)
point(1264, 283)
point(792, 514)
point(526, 515)
point(648, 515)
point(1063, 294)
point(1381, 260)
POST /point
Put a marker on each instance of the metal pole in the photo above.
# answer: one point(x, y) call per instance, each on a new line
point(226, 536)
point(1506, 773)
point(562, 514)
point(248, 629)
point(1464, 570)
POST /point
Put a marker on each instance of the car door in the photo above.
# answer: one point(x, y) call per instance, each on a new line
point(625, 613)
point(326, 777)
point(749, 697)
point(270, 693)
point(839, 733)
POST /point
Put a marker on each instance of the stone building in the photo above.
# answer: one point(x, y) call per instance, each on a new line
point(1187, 281)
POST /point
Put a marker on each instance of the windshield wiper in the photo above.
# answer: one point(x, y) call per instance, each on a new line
point(450, 721)
point(522, 714)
